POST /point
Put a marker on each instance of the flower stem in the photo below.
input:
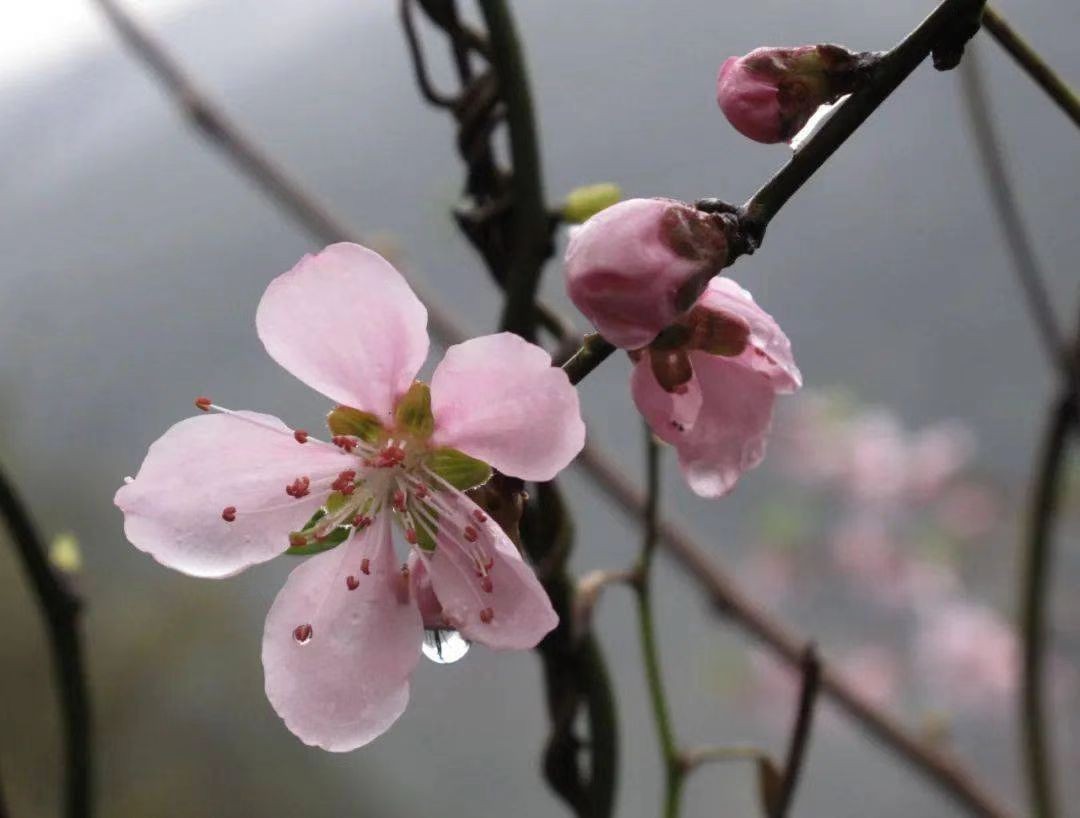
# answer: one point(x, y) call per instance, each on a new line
point(1031, 62)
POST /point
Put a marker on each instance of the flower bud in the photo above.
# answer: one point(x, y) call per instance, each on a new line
point(635, 267)
point(769, 94)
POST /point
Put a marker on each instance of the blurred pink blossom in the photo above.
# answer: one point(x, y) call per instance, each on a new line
point(218, 493)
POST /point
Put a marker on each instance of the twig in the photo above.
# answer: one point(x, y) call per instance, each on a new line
point(594, 351)
point(674, 769)
point(1033, 64)
point(1002, 195)
point(1064, 414)
point(800, 734)
point(423, 81)
point(60, 608)
point(939, 766)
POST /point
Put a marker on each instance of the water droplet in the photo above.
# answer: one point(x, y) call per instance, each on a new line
point(444, 647)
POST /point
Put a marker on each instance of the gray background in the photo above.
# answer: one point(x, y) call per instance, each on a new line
point(133, 258)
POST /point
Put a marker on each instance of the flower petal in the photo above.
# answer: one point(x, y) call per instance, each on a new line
point(345, 322)
point(769, 350)
point(729, 434)
point(499, 399)
point(668, 414)
point(173, 508)
point(516, 612)
point(349, 681)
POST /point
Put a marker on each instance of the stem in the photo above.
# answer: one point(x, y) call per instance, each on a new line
point(594, 351)
point(674, 769)
point(1034, 65)
point(1003, 197)
point(800, 735)
point(531, 234)
point(60, 609)
point(1035, 574)
point(939, 766)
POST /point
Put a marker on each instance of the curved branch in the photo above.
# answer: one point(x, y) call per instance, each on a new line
point(60, 608)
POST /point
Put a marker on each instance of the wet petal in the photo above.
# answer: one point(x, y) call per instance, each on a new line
point(769, 350)
point(173, 509)
point(668, 414)
point(499, 399)
point(349, 681)
point(486, 590)
point(728, 437)
point(345, 322)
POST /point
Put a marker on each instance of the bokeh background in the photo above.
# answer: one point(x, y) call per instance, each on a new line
point(134, 256)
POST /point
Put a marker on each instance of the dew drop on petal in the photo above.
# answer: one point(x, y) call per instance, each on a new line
point(444, 647)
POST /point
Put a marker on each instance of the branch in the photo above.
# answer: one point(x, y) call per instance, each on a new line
point(800, 734)
point(1003, 197)
point(938, 766)
point(60, 608)
point(1046, 496)
point(1029, 60)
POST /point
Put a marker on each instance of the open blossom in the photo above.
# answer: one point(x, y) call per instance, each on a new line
point(708, 384)
point(220, 492)
point(634, 267)
point(769, 94)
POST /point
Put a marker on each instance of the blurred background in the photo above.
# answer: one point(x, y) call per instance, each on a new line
point(885, 522)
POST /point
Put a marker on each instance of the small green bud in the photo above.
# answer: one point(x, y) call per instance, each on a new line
point(586, 201)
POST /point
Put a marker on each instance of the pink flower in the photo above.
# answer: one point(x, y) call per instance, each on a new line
point(707, 386)
point(634, 267)
point(769, 94)
point(218, 493)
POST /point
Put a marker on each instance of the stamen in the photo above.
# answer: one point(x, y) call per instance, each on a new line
point(344, 482)
point(391, 455)
point(303, 633)
point(365, 566)
point(486, 584)
point(203, 403)
point(228, 514)
point(410, 536)
point(352, 583)
point(343, 442)
point(361, 521)
point(479, 516)
point(300, 487)
point(397, 500)
point(300, 435)
point(486, 615)
point(470, 533)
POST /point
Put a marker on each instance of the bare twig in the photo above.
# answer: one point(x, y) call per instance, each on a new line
point(60, 608)
point(416, 50)
point(1029, 60)
point(1002, 195)
point(800, 734)
point(939, 766)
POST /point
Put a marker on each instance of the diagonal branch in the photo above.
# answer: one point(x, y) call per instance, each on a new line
point(800, 735)
point(60, 608)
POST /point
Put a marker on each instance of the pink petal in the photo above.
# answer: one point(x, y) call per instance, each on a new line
point(669, 415)
point(350, 681)
point(499, 399)
point(202, 465)
point(769, 350)
point(345, 322)
point(517, 609)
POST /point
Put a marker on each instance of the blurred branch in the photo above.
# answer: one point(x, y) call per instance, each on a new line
point(800, 734)
point(1002, 195)
point(60, 608)
point(937, 765)
point(1032, 64)
point(1064, 413)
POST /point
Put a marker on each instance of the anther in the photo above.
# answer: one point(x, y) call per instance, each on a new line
point(300, 435)
point(486, 584)
point(390, 456)
point(302, 633)
point(410, 536)
point(470, 533)
point(344, 482)
point(398, 500)
point(361, 521)
point(299, 487)
point(365, 565)
point(479, 516)
point(346, 443)
point(486, 616)
point(351, 582)
point(228, 514)
point(203, 403)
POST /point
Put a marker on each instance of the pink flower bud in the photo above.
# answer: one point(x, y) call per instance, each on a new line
point(769, 94)
point(633, 268)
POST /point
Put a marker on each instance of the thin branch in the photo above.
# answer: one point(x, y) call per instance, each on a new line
point(416, 50)
point(594, 351)
point(1002, 195)
point(937, 765)
point(60, 608)
point(674, 769)
point(1064, 414)
point(1029, 60)
point(800, 734)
